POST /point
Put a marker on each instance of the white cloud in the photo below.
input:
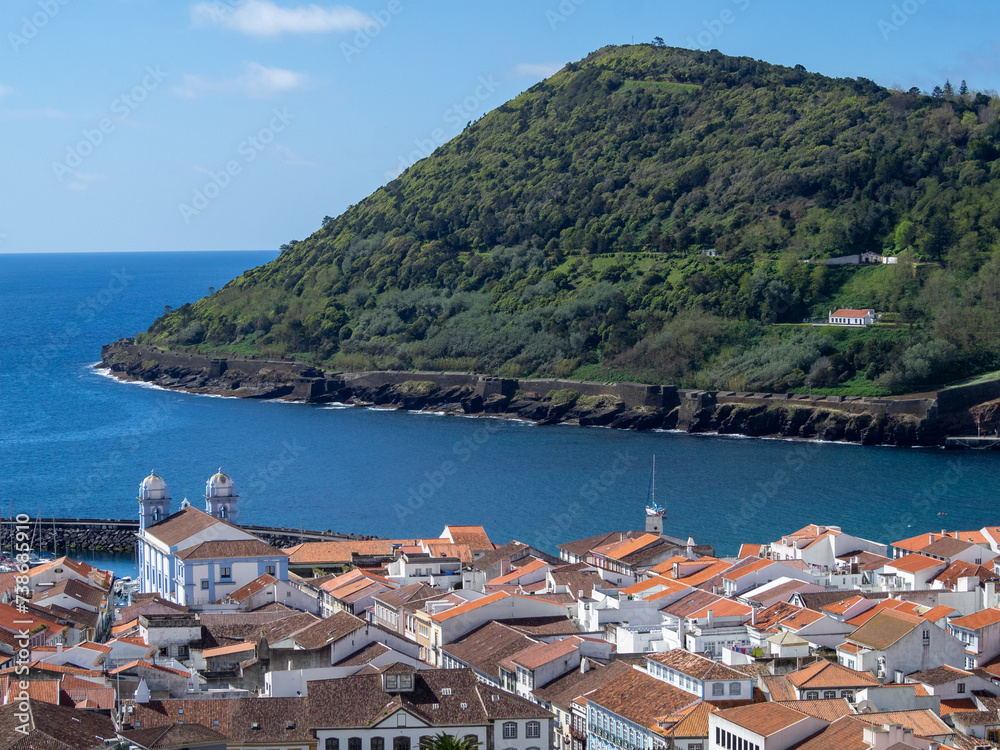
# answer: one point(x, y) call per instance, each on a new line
point(538, 70)
point(256, 82)
point(4, 90)
point(264, 18)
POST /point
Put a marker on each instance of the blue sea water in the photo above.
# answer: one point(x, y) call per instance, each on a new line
point(74, 442)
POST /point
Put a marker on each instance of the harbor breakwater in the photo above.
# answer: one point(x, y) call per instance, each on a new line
point(925, 420)
point(64, 536)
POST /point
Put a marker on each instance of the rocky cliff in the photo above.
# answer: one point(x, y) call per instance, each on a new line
point(617, 405)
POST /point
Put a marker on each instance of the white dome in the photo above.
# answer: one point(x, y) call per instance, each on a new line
point(219, 485)
point(153, 487)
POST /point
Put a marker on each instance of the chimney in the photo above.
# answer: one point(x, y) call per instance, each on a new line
point(753, 616)
point(711, 618)
point(59, 647)
point(584, 665)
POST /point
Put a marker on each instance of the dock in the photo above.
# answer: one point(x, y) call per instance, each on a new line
point(991, 442)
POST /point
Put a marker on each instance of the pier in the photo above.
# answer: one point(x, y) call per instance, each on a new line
point(64, 535)
point(991, 442)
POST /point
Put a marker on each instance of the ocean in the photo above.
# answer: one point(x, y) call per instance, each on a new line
point(76, 443)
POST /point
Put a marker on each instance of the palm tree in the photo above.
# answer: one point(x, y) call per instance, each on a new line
point(445, 741)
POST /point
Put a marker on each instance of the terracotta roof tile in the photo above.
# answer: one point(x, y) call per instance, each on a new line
point(829, 709)
point(581, 547)
point(923, 722)
point(695, 665)
point(884, 629)
point(978, 620)
point(229, 548)
point(640, 698)
point(829, 674)
point(764, 719)
point(183, 524)
point(915, 563)
point(474, 536)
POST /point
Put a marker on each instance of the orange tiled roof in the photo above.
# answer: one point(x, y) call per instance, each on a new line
point(747, 569)
point(978, 620)
point(915, 563)
point(475, 536)
point(750, 550)
point(619, 550)
point(764, 719)
point(829, 674)
point(515, 574)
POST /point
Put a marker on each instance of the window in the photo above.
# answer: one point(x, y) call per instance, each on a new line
point(204, 585)
point(401, 743)
point(269, 569)
point(376, 743)
point(332, 743)
point(735, 688)
point(828, 694)
point(225, 572)
point(405, 681)
point(533, 729)
point(718, 689)
point(509, 730)
point(354, 743)
point(993, 735)
point(961, 687)
point(927, 637)
point(472, 739)
point(812, 695)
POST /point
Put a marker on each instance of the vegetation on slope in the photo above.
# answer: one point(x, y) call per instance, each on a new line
point(564, 234)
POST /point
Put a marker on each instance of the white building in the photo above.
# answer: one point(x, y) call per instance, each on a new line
point(195, 557)
point(846, 317)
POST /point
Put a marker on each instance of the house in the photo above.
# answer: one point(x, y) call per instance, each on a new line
point(532, 573)
point(827, 680)
point(621, 562)
point(821, 546)
point(623, 713)
point(393, 609)
point(706, 623)
point(352, 592)
point(577, 551)
point(267, 590)
point(893, 644)
point(52, 572)
point(484, 650)
point(777, 591)
point(851, 732)
point(561, 697)
point(414, 565)
point(175, 737)
point(541, 663)
point(950, 683)
point(845, 317)
point(910, 573)
point(249, 723)
point(319, 558)
point(398, 706)
point(473, 536)
point(765, 726)
point(196, 557)
point(499, 562)
point(702, 677)
point(818, 628)
point(448, 624)
point(980, 633)
point(44, 725)
point(759, 572)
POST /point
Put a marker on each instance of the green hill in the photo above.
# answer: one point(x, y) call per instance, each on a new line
point(565, 233)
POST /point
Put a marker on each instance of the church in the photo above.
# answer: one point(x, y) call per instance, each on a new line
point(196, 557)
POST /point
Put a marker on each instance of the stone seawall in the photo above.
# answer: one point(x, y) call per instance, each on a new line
point(65, 535)
point(640, 406)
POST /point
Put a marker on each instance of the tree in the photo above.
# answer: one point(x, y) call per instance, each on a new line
point(963, 89)
point(937, 93)
point(444, 741)
point(949, 90)
point(658, 41)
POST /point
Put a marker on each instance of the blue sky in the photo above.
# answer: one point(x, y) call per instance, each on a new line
point(137, 125)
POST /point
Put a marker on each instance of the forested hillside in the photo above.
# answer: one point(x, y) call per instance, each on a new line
point(565, 233)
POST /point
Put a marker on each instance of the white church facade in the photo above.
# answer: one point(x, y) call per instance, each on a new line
point(196, 557)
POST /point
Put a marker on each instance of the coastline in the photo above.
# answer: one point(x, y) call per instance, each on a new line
point(916, 422)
